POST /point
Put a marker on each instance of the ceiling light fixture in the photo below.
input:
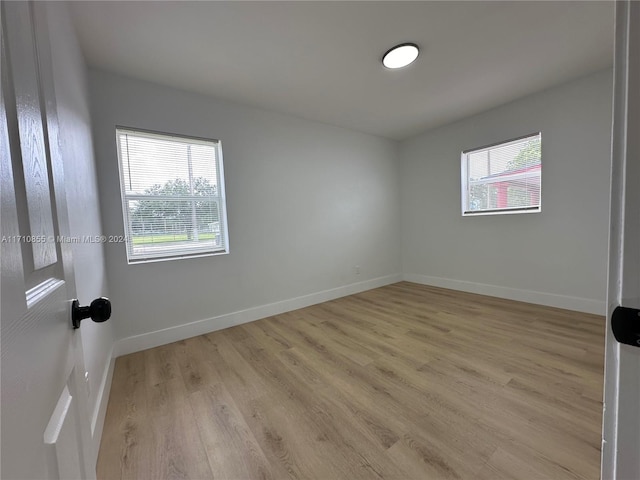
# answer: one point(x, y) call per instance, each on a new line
point(400, 55)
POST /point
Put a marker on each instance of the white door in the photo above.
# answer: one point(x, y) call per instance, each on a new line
point(44, 414)
point(621, 429)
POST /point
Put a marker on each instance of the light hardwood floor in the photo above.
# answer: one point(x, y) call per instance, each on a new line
point(403, 382)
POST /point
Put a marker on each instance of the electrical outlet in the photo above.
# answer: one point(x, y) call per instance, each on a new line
point(357, 269)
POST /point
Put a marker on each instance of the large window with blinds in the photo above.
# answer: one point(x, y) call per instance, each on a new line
point(503, 178)
point(173, 196)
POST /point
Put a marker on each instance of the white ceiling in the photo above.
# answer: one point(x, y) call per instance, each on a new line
point(321, 60)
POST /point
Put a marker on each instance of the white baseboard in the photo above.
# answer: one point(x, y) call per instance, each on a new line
point(578, 304)
point(144, 341)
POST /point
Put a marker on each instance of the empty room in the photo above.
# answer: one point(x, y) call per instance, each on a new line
point(320, 240)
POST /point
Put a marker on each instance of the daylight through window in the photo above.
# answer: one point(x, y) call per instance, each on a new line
point(172, 195)
point(502, 178)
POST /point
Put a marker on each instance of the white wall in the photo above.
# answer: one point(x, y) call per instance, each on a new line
point(306, 203)
point(557, 257)
point(72, 98)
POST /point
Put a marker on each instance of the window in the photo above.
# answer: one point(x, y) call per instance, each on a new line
point(172, 196)
point(502, 178)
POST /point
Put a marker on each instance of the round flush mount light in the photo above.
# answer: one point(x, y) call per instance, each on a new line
point(400, 55)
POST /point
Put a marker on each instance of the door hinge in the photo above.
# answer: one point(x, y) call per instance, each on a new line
point(625, 323)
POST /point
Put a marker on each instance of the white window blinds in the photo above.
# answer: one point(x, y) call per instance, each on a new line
point(172, 195)
point(502, 178)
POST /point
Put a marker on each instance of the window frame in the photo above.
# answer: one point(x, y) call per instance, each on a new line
point(464, 180)
point(135, 259)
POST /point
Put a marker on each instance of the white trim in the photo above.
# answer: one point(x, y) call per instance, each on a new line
point(505, 211)
point(102, 400)
point(578, 304)
point(504, 143)
point(144, 341)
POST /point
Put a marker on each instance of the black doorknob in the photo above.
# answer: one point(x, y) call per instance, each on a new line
point(99, 311)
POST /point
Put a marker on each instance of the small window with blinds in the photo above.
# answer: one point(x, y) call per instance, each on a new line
point(502, 178)
point(172, 196)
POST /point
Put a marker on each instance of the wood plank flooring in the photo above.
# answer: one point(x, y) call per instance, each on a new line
point(400, 382)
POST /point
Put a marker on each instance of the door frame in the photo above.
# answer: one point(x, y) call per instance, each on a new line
point(621, 415)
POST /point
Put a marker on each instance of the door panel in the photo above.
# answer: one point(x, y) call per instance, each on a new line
point(60, 436)
point(621, 427)
point(45, 421)
point(20, 40)
point(628, 445)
